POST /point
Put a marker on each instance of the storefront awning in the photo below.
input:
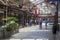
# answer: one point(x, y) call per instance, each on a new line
point(2, 2)
point(12, 3)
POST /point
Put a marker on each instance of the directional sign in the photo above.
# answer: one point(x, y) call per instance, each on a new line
point(53, 0)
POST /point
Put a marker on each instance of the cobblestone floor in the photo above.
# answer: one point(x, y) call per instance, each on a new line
point(35, 33)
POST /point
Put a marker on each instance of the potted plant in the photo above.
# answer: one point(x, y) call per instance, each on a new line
point(10, 26)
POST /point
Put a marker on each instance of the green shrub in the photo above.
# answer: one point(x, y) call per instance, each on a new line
point(11, 27)
point(11, 23)
point(13, 18)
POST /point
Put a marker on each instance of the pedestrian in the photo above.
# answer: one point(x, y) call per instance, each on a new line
point(40, 24)
point(46, 24)
point(30, 22)
point(54, 30)
point(35, 22)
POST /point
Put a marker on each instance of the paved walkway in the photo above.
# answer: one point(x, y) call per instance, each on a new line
point(34, 33)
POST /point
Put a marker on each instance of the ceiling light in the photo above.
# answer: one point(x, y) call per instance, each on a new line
point(31, 0)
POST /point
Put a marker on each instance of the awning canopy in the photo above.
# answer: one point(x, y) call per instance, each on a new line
point(9, 3)
point(2, 2)
point(12, 3)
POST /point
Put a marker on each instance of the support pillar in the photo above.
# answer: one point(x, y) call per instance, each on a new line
point(55, 25)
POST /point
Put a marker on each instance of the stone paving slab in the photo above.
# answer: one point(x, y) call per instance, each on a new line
point(34, 33)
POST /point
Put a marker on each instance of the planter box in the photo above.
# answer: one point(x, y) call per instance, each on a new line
point(8, 34)
point(5, 34)
point(1, 34)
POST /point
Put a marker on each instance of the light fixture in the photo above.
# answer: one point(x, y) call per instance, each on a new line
point(31, 0)
point(43, 4)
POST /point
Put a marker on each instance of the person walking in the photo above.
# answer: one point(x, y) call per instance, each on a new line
point(46, 24)
point(40, 24)
point(30, 22)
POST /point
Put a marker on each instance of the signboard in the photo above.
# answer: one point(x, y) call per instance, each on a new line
point(53, 0)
